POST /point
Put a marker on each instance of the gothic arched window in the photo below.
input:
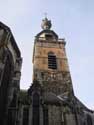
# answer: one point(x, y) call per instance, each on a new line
point(52, 63)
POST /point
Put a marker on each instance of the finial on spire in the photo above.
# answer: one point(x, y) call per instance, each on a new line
point(45, 14)
point(46, 24)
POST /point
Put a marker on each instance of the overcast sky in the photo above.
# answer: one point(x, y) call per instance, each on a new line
point(72, 20)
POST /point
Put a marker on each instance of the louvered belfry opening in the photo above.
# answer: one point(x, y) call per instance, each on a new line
point(52, 63)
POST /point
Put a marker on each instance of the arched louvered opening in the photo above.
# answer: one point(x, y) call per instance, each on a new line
point(52, 62)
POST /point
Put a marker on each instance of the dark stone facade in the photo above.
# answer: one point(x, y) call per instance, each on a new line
point(10, 66)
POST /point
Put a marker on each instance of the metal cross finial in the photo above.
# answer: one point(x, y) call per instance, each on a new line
point(45, 14)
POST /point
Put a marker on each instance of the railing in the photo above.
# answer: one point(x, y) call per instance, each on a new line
point(43, 39)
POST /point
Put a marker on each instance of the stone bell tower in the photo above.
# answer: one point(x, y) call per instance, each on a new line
point(50, 64)
point(50, 100)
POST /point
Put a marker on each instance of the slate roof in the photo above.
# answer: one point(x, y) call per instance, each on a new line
point(47, 31)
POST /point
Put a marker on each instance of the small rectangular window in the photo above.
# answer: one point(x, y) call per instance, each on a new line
point(48, 36)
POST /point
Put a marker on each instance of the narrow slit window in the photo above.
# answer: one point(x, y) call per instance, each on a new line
point(52, 63)
point(25, 116)
point(89, 120)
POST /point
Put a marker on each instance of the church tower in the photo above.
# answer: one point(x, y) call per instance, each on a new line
point(50, 100)
point(50, 61)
